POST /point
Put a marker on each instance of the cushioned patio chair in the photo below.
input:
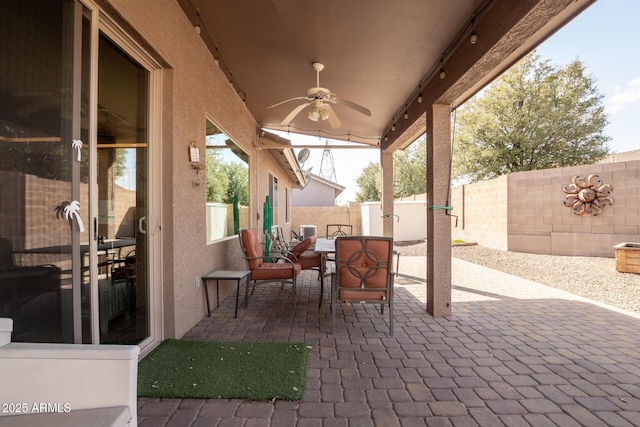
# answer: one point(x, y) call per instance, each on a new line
point(309, 260)
point(272, 267)
point(278, 242)
point(363, 274)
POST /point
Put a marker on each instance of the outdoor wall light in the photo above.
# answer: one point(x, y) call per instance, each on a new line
point(419, 98)
point(442, 73)
point(406, 115)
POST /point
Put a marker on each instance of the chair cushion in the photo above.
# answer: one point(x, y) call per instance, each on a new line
point(275, 271)
point(309, 260)
point(366, 267)
point(362, 295)
point(252, 247)
point(299, 249)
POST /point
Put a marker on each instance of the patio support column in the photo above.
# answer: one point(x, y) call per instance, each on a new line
point(438, 223)
point(386, 205)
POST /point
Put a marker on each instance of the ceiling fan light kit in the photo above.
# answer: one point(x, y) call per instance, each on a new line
point(319, 99)
point(314, 113)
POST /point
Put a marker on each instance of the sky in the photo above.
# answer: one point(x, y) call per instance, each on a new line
point(604, 38)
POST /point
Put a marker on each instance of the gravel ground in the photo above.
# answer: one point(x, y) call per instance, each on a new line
point(591, 277)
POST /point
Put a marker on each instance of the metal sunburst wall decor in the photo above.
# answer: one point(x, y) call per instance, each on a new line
point(587, 196)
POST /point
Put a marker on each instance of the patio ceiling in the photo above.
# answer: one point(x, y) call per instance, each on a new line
point(377, 53)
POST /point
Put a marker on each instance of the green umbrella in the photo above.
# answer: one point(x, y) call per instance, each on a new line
point(267, 222)
point(236, 215)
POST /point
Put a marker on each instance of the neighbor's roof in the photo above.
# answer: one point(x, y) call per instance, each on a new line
point(625, 156)
point(327, 182)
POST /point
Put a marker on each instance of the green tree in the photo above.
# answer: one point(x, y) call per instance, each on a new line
point(410, 170)
point(121, 161)
point(217, 178)
point(369, 183)
point(534, 116)
point(238, 179)
point(410, 174)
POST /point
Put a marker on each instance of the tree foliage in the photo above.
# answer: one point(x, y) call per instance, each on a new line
point(535, 116)
point(238, 175)
point(410, 170)
point(369, 183)
point(226, 180)
point(217, 179)
point(410, 173)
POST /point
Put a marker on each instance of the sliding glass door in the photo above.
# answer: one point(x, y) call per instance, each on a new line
point(74, 164)
point(123, 93)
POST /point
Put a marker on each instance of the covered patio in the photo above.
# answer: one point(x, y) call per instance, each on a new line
point(514, 353)
point(379, 75)
point(508, 353)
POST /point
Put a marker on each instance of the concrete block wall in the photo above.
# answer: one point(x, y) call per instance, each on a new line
point(34, 223)
point(539, 222)
point(524, 212)
point(320, 216)
point(481, 211)
point(42, 227)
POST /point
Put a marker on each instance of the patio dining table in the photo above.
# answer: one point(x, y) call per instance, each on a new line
point(324, 246)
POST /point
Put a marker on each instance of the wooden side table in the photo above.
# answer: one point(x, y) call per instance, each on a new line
point(218, 275)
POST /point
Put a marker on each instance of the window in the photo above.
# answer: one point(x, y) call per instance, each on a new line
point(287, 205)
point(273, 198)
point(227, 169)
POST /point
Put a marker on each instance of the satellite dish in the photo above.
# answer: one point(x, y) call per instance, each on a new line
point(303, 155)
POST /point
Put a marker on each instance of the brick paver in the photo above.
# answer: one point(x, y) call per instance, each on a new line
point(513, 352)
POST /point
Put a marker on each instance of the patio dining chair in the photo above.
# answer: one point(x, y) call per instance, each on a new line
point(337, 230)
point(278, 242)
point(272, 267)
point(303, 254)
point(363, 274)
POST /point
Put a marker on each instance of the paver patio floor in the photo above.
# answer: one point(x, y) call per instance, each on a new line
point(514, 353)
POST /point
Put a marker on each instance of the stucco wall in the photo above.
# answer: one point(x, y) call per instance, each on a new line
point(194, 88)
point(409, 223)
point(536, 219)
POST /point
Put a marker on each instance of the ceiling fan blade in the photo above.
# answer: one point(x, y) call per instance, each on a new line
point(332, 118)
point(351, 104)
point(290, 99)
point(294, 113)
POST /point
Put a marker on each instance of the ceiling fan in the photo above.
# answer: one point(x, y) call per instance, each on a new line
point(319, 99)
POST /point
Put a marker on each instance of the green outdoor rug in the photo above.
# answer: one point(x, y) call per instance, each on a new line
point(230, 370)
